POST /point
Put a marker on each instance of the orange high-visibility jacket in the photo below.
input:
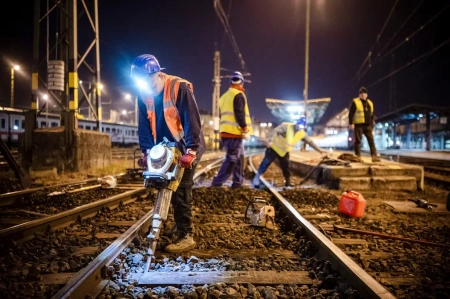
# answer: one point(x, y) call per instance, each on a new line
point(171, 116)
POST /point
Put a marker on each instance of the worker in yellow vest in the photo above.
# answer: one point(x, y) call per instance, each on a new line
point(235, 126)
point(361, 120)
point(284, 138)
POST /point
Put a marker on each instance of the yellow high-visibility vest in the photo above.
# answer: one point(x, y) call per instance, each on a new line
point(228, 122)
point(359, 113)
point(282, 145)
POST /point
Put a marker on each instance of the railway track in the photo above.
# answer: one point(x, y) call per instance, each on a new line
point(409, 266)
point(80, 233)
point(4, 166)
point(231, 258)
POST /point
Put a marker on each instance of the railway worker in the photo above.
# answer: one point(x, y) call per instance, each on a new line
point(167, 108)
point(235, 126)
point(361, 121)
point(284, 138)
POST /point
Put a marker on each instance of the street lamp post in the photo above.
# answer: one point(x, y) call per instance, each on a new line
point(45, 96)
point(305, 91)
point(16, 67)
point(128, 97)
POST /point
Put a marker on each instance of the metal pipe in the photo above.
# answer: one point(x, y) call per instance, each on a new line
point(363, 232)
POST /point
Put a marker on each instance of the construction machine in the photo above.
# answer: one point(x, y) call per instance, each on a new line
point(163, 174)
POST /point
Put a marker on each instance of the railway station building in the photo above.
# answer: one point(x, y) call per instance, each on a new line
point(413, 127)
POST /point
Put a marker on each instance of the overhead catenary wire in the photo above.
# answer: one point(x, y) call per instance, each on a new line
point(226, 25)
point(224, 33)
point(415, 60)
point(408, 38)
point(369, 55)
point(400, 28)
point(368, 58)
point(359, 76)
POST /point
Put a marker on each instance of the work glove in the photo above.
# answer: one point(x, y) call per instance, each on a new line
point(188, 159)
point(142, 162)
point(325, 154)
point(246, 135)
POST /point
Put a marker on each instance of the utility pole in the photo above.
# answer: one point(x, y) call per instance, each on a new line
point(305, 91)
point(215, 100)
point(136, 115)
point(12, 87)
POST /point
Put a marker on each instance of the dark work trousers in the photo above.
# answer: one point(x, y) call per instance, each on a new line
point(367, 131)
point(269, 157)
point(182, 203)
point(233, 164)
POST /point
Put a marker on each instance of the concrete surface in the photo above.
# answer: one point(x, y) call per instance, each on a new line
point(90, 150)
point(436, 155)
point(387, 175)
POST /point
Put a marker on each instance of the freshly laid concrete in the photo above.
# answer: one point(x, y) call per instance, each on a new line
point(384, 175)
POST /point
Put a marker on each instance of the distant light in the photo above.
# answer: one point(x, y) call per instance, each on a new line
point(124, 112)
point(252, 139)
point(141, 83)
point(350, 138)
point(397, 142)
point(81, 81)
point(211, 122)
point(263, 125)
point(45, 97)
point(269, 124)
point(420, 115)
point(335, 132)
point(16, 127)
point(127, 96)
point(100, 86)
point(295, 116)
point(386, 124)
point(17, 67)
point(294, 108)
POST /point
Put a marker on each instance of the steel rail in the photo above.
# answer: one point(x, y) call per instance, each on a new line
point(8, 198)
point(88, 278)
point(355, 275)
point(26, 231)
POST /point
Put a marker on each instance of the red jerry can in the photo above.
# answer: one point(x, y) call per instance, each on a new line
point(352, 204)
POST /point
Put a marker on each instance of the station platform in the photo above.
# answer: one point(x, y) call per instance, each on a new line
point(384, 175)
point(435, 155)
point(436, 158)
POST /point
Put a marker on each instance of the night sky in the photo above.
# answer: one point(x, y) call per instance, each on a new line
point(271, 36)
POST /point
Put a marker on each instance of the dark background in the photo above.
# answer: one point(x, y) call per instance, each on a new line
point(271, 36)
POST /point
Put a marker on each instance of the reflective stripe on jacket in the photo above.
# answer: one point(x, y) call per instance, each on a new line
point(171, 116)
point(284, 144)
point(359, 113)
point(228, 122)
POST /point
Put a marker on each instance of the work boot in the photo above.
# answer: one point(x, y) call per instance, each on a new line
point(182, 244)
point(288, 183)
point(256, 181)
point(375, 159)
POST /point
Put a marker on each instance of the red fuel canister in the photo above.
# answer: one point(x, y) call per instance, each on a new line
point(352, 204)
